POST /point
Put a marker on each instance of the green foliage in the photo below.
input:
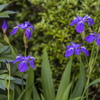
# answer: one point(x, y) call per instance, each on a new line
point(5, 14)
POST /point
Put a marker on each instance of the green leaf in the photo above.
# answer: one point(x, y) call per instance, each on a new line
point(18, 90)
point(66, 93)
point(77, 98)
point(47, 81)
point(2, 84)
point(29, 83)
point(3, 6)
point(3, 97)
point(5, 53)
point(77, 92)
point(35, 93)
point(4, 15)
point(6, 76)
point(92, 83)
point(22, 93)
point(18, 81)
point(9, 12)
point(65, 80)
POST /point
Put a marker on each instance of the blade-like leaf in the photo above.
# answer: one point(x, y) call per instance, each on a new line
point(3, 6)
point(77, 98)
point(2, 84)
point(4, 15)
point(9, 12)
point(47, 82)
point(66, 93)
point(77, 92)
point(29, 82)
point(35, 93)
point(93, 82)
point(65, 80)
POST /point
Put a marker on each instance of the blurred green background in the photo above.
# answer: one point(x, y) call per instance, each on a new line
point(51, 19)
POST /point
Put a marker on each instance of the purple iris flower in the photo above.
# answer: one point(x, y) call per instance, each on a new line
point(4, 26)
point(75, 48)
point(27, 27)
point(79, 21)
point(24, 61)
point(93, 36)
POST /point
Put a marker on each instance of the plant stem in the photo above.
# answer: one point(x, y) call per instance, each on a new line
point(8, 87)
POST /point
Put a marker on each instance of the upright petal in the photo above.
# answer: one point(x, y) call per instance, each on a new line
point(90, 38)
point(22, 66)
point(78, 51)
point(85, 51)
point(28, 33)
point(14, 30)
point(69, 52)
point(75, 45)
point(80, 27)
point(98, 41)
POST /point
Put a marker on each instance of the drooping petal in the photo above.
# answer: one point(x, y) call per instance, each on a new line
point(90, 21)
point(22, 66)
point(4, 25)
point(75, 21)
point(21, 26)
point(84, 50)
point(14, 30)
point(90, 38)
point(16, 60)
point(80, 27)
point(69, 52)
point(77, 51)
point(28, 33)
point(32, 28)
point(31, 63)
point(98, 41)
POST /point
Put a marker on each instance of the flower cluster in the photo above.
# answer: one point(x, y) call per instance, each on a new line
point(24, 61)
point(77, 48)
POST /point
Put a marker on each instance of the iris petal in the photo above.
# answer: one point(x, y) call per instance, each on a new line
point(22, 66)
point(69, 52)
point(90, 38)
point(14, 31)
point(85, 51)
point(80, 27)
point(28, 33)
point(90, 21)
point(75, 21)
point(31, 63)
point(98, 41)
point(77, 51)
